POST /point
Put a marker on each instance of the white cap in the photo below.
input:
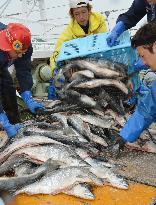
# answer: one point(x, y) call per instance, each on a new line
point(77, 3)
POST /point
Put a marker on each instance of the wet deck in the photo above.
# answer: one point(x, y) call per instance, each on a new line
point(137, 194)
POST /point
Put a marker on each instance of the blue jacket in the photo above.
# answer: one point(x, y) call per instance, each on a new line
point(143, 116)
point(136, 12)
point(22, 67)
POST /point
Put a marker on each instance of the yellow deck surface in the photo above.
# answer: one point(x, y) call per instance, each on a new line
point(137, 194)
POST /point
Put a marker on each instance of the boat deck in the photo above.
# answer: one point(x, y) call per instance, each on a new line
point(137, 194)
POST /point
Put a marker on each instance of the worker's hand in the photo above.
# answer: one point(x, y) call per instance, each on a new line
point(32, 105)
point(10, 129)
point(112, 39)
point(115, 33)
point(138, 65)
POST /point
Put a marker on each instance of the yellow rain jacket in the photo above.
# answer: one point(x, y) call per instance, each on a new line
point(97, 24)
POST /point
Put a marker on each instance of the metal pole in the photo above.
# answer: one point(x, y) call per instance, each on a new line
point(42, 12)
point(24, 10)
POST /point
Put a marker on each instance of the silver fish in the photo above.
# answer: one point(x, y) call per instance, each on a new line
point(74, 83)
point(56, 152)
point(3, 141)
point(89, 158)
point(63, 120)
point(78, 124)
point(121, 68)
point(96, 69)
point(64, 139)
point(25, 169)
point(60, 135)
point(13, 183)
point(61, 180)
point(25, 142)
point(88, 101)
point(103, 82)
point(82, 191)
point(106, 173)
point(118, 118)
point(99, 112)
point(79, 74)
point(11, 164)
point(29, 167)
point(112, 103)
point(50, 103)
point(105, 122)
point(84, 129)
point(82, 100)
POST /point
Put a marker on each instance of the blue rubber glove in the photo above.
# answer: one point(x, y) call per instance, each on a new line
point(134, 127)
point(10, 129)
point(32, 105)
point(115, 33)
point(138, 65)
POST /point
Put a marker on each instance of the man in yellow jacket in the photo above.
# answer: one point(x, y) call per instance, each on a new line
point(84, 22)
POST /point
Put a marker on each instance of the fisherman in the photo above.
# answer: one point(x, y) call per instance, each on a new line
point(84, 22)
point(15, 48)
point(127, 20)
point(145, 42)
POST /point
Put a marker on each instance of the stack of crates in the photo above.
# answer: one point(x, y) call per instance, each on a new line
point(95, 46)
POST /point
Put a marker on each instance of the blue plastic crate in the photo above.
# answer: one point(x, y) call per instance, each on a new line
point(96, 46)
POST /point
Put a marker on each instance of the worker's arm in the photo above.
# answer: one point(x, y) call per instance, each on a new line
point(134, 14)
point(23, 70)
point(10, 129)
point(65, 36)
point(127, 20)
point(23, 73)
point(143, 116)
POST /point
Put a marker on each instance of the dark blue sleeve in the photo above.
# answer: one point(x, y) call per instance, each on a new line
point(23, 71)
point(3, 66)
point(135, 13)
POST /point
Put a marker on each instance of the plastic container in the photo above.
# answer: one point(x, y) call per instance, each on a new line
point(95, 46)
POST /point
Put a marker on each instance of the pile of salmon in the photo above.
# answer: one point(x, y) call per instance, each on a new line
point(65, 148)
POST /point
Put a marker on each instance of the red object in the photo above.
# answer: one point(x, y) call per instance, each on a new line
point(15, 37)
